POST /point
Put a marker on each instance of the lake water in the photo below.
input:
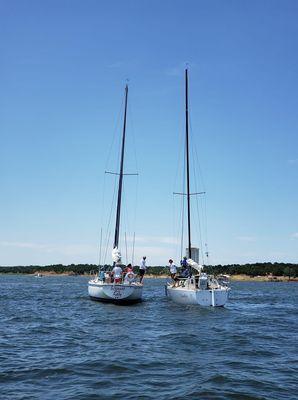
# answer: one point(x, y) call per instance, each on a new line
point(57, 344)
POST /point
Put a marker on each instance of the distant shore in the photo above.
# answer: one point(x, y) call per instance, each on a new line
point(236, 277)
point(263, 272)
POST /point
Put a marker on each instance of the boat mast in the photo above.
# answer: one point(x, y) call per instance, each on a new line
point(117, 227)
point(187, 161)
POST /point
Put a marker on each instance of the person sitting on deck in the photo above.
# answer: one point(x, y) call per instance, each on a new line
point(107, 277)
point(128, 268)
point(130, 277)
point(101, 275)
point(117, 273)
point(185, 272)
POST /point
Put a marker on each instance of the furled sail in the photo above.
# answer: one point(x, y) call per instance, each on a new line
point(193, 264)
point(116, 255)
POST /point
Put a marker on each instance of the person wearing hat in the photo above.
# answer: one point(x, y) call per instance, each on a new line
point(173, 270)
point(143, 268)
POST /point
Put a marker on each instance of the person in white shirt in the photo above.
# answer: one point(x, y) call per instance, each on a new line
point(173, 270)
point(143, 268)
point(117, 273)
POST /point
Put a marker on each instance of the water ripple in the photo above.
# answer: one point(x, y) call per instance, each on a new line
point(56, 343)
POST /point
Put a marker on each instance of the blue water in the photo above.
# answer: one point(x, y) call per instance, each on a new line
point(57, 344)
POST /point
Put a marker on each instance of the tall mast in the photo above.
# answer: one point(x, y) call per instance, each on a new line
point(118, 213)
point(187, 161)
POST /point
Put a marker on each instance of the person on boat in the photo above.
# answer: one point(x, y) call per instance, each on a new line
point(183, 262)
point(173, 270)
point(107, 277)
point(128, 268)
point(101, 275)
point(185, 272)
point(143, 268)
point(117, 273)
point(130, 277)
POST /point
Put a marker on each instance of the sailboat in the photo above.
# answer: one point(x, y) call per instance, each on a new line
point(198, 288)
point(121, 291)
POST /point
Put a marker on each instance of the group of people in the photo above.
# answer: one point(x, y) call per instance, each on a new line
point(185, 270)
point(126, 275)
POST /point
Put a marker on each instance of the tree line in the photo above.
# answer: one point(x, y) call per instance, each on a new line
point(262, 269)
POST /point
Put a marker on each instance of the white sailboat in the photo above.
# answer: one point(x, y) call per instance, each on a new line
point(121, 291)
point(199, 288)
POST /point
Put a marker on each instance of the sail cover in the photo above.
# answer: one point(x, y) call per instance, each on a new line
point(116, 255)
point(193, 264)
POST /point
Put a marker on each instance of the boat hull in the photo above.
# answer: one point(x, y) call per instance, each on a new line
point(115, 293)
point(208, 297)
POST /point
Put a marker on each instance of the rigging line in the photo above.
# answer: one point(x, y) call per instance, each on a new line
point(133, 136)
point(136, 203)
point(176, 225)
point(201, 178)
point(181, 143)
point(179, 161)
point(126, 219)
point(103, 207)
point(125, 213)
point(100, 248)
point(204, 213)
point(110, 214)
point(106, 251)
point(101, 218)
point(106, 165)
point(200, 231)
point(197, 207)
point(133, 249)
point(197, 158)
point(206, 222)
point(182, 228)
point(134, 216)
point(175, 243)
point(126, 249)
point(175, 232)
point(116, 129)
point(183, 208)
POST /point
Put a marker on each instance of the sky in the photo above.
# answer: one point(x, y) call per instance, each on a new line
point(64, 65)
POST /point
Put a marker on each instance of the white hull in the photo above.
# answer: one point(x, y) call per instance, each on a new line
point(208, 297)
point(115, 293)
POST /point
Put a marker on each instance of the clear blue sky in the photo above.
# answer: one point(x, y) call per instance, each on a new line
point(63, 71)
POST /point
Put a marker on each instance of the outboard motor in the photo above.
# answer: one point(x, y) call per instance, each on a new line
point(203, 281)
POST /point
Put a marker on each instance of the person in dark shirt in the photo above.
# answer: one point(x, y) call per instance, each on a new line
point(185, 273)
point(183, 262)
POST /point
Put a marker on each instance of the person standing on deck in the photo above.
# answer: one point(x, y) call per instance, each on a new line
point(142, 269)
point(117, 273)
point(173, 269)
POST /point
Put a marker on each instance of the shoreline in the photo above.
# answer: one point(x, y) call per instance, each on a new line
point(235, 278)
